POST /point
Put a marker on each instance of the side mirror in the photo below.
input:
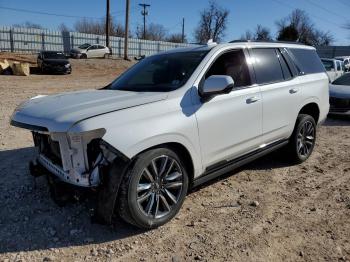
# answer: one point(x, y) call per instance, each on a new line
point(216, 85)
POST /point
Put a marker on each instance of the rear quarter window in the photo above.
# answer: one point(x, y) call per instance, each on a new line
point(307, 60)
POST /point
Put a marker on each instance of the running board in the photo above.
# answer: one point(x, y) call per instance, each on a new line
point(223, 167)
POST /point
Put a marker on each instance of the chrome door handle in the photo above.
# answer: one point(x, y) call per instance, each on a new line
point(293, 91)
point(251, 100)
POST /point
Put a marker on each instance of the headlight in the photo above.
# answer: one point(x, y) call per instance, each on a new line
point(67, 65)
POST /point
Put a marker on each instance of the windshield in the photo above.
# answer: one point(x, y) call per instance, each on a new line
point(328, 64)
point(53, 55)
point(84, 46)
point(343, 80)
point(160, 73)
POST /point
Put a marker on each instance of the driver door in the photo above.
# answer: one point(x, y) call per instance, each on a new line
point(230, 125)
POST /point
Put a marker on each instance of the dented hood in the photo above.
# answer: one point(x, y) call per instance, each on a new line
point(57, 113)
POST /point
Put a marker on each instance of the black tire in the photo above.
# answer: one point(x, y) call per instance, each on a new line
point(150, 215)
point(302, 140)
point(83, 56)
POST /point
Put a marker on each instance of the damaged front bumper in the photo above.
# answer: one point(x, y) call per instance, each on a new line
point(74, 158)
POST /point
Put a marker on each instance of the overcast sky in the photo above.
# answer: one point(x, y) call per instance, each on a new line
point(244, 14)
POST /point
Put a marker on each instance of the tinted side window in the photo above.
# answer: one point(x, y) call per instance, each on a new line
point(233, 64)
point(308, 60)
point(101, 47)
point(285, 68)
point(266, 65)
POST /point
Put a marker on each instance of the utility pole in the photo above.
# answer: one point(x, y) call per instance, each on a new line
point(126, 35)
point(144, 12)
point(183, 30)
point(107, 24)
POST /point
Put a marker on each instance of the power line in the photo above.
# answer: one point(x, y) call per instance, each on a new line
point(326, 10)
point(344, 3)
point(314, 16)
point(46, 13)
point(132, 9)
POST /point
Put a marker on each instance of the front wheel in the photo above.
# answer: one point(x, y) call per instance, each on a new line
point(153, 190)
point(303, 139)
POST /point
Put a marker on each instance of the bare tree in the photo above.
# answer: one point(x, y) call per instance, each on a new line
point(89, 26)
point(288, 33)
point(155, 32)
point(248, 35)
point(212, 24)
point(176, 38)
point(262, 33)
point(322, 38)
point(63, 28)
point(28, 24)
point(299, 27)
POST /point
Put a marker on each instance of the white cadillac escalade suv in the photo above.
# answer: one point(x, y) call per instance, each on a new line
point(175, 120)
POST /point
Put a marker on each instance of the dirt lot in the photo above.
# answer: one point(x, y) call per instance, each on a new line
point(300, 213)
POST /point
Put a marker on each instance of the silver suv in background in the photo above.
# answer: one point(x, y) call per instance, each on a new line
point(175, 120)
point(334, 68)
point(346, 61)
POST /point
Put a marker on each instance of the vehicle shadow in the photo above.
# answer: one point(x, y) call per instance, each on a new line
point(276, 159)
point(337, 120)
point(30, 220)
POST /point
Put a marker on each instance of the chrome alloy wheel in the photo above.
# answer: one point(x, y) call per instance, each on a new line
point(306, 139)
point(160, 186)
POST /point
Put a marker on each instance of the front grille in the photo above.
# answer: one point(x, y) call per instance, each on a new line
point(48, 147)
point(339, 105)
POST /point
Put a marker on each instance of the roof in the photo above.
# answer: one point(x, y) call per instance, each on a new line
point(240, 44)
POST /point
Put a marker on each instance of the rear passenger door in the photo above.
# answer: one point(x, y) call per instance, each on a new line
point(280, 92)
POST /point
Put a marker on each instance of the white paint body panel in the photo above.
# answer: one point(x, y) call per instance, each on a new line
point(223, 128)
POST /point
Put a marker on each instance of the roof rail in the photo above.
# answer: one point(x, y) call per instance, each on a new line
point(266, 41)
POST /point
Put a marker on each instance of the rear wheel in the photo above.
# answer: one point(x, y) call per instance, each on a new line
point(303, 139)
point(153, 190)
point(83, 56)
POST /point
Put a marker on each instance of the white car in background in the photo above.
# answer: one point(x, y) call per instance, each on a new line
point(333, 67)
point(346, 61)
point(91, 51)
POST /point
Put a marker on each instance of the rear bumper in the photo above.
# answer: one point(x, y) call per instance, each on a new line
point(57, 69)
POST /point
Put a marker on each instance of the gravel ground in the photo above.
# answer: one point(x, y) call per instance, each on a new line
point(265, 211)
